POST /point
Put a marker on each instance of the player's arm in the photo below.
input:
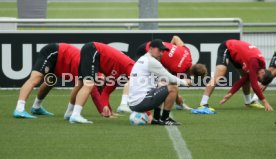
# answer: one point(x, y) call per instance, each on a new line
point(106, 94)
point(157, 68)
point(177, 41)
point(253, 69)
point(96, 97)
point(235, 88)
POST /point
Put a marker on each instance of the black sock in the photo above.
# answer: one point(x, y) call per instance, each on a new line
point(165, 115)
point(156, 114)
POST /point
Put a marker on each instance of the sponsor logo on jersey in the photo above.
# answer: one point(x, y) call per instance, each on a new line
point(183, 58)
point(172, 51)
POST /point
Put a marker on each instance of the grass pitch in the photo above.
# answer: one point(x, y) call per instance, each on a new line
point(234, 132)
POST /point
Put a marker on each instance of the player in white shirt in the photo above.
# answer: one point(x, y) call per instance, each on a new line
point(144, 95)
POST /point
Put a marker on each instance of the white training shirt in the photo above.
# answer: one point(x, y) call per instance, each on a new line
point(144, 77)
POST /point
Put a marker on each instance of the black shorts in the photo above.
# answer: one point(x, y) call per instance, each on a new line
point(89, 62)
point(140, 51)
point(47, 59)
point(224, 57)
point(273, 61)
point(153, 99)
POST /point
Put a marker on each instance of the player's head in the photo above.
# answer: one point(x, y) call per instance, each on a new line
point(198, 70)
point(156, 48)
point(261, 74)
point(267, 78)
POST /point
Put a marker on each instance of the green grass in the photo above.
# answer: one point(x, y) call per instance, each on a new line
point(234, 132)
point(248, 12)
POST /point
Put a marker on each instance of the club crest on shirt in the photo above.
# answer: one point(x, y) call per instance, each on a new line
point(113, 72)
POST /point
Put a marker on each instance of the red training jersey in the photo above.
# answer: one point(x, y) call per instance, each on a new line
point(112, 63)
point(251, 60)
point(242, 53)
point(68, 60)
point(177, 60)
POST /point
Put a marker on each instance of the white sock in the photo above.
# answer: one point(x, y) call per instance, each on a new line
point(204, 100)
point(77, 110)
point(20, 105)
point(70, 108)
point(247, 99)
point(254, 98)
point(124, 100)
point(37, 103)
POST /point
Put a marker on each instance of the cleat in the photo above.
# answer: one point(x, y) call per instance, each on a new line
point(255, 105)
point(41, 111)
point(169, 122)
point(182, 107)
point(79, 119)
point(123, 109)
point(202, 110)
point(154, 122)
point(23, 114)
point(67, 116)
point(207, 105)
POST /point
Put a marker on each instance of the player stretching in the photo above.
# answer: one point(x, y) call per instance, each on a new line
point(249, 62)
point(143, 93)
point(269, 76)
point(98, 57)
point(53, 58)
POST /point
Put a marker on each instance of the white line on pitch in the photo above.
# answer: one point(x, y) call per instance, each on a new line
point(179, 143)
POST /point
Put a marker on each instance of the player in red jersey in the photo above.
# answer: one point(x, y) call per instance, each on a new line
point(53, 59)
point(98, 57)
point(177, 60)
point(249, 62)
point(269, 76)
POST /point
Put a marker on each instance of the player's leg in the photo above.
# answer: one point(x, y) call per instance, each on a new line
point(89, 66)
point(219, 73)
point(72, 101)
point(223, 57)
point(44, 64)
point(168, 104)
point(25, 91)
point(123, 107)
point(37, 107)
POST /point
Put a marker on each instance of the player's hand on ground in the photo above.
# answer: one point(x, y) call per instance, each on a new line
point(268, 107)
point(106, 112)
point(225, 98)
point(179, 100)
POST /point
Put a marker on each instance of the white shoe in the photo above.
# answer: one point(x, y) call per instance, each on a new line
point(79, 119)
point(183, 107)
point(67, 115)
point(123, 108)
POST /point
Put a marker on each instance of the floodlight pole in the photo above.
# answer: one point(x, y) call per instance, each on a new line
point(148, 9)
point(32, 8)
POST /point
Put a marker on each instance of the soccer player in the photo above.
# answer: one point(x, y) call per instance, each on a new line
point(54, 58)
point(98, 57)
point(176, 60)
point(268, 77)
point(143, 93)
point(249, 62)
point(66, 61)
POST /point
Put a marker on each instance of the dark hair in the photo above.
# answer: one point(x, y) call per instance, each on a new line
point(267, 78)
point(198, 70)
